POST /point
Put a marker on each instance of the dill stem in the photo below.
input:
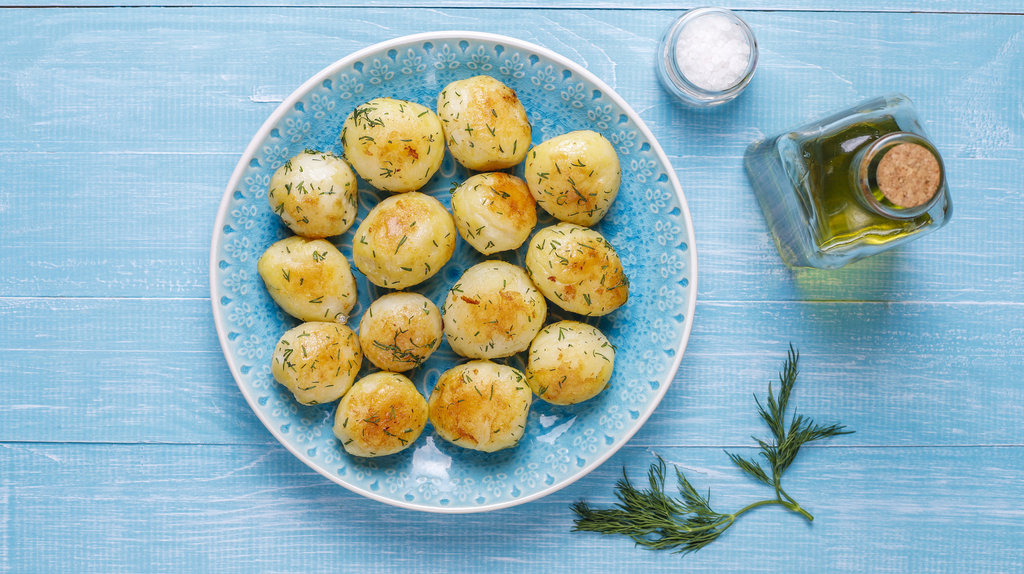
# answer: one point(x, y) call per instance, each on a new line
point(795, 506)
point(754, 505)
point(727, 519)
point(790, 505)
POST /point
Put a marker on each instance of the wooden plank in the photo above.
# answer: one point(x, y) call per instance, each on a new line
point(109, 224)
point(172, 123)
point(212, 96)
point(912, 374)
point(118, 370)
point(941, 6)
point(156, 508)
point(962, 262)
point(143, 247)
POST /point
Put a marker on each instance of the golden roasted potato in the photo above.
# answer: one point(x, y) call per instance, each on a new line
point(317, 361)
point(381, 414)
point(394, 145)
point(485, 124)
point(399, 331)
point(493, 310)
point(574, 177)
point(309, 278)
point(494, 212)
point(315, 194)
point(404, 240)
point(569, 362)
point(480, 405)
point(576, 268)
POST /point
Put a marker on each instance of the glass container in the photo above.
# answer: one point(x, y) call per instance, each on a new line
point(856, 183)
point(703, 42)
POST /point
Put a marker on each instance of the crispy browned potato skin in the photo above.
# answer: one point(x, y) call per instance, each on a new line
point(314, 193)
point(381, 414)
point(404, 240)
point(485, 124)
point(317, 361)
point(494, 211)
point(309, 278)
point(399, 331)
point(576, 268)
point(395, 145)
point(481, 405)
point(574, 177)
point(569, 362)
point(493, 310)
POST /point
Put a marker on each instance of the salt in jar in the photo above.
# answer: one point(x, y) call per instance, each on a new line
point(707, 56)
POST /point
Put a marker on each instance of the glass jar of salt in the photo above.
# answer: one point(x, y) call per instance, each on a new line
point(707, 56)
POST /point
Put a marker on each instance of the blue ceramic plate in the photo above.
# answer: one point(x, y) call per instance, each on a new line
point(649, 225)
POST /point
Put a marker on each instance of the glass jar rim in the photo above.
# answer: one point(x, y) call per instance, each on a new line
point(679, 79)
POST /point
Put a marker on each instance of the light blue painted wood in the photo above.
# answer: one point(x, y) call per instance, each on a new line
point(106, 130)
point(229, 81)
point(86, 249)
point(158, 508)
point(109, 224)
point(902, 374)
point(125, 446)
point(944, 6)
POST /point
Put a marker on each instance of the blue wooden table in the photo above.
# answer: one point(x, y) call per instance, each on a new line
point(126, 446)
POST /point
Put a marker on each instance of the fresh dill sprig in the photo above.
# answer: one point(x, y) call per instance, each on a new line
point(688, 523)
point(652, 518)
point(782, 450)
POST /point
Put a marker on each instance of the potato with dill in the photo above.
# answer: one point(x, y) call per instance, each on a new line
point(485, 124)
point(315, 194)
point(394, 145)
point(575, 177)
point(309, 278)
point(399, 331)
point(493, 310)
point(576, 268)
point(404, 240)
point(494, 211)
point(317, 361)
point(480, 405)
point(381, 414)
point(569, 362)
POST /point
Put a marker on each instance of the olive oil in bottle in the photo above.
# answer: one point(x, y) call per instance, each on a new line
point(854, 184)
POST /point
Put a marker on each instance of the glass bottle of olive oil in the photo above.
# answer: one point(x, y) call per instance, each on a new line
point(854, 184)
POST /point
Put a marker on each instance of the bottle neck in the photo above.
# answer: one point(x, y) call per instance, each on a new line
point(898, 176)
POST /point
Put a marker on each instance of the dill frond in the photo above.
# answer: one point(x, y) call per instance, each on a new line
point(687, 523)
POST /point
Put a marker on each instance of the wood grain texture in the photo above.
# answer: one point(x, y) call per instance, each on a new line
point(125, 445)
point(160, 112)
point(158, 508)
point(902, 374)
point(941, 6)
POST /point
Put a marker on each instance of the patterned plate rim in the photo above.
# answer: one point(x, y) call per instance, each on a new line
point(451, 35)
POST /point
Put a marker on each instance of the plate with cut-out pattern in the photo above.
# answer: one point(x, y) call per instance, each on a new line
point(649, 225)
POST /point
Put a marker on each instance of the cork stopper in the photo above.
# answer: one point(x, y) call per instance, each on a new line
point(908, 175)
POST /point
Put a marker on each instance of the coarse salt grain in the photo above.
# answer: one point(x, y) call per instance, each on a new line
point(712, 52)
